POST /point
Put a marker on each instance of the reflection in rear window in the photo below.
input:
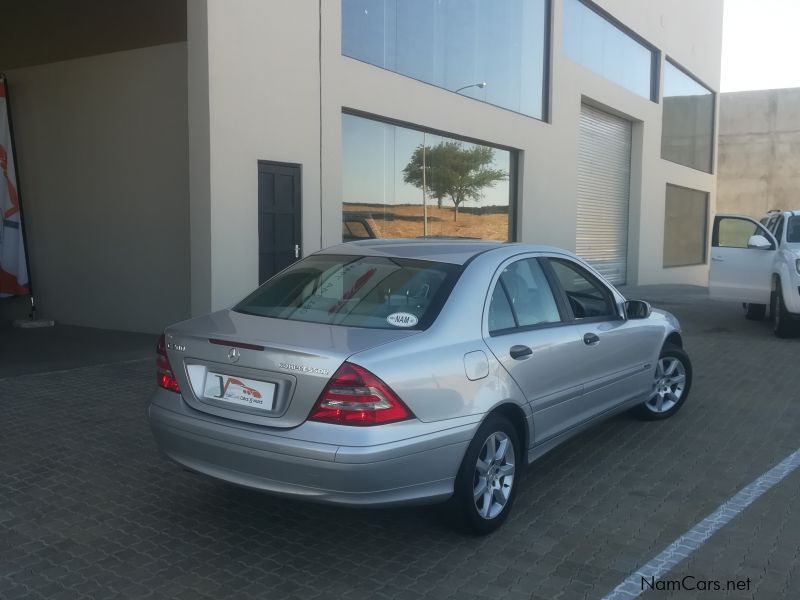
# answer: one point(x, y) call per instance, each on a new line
point(356, 291)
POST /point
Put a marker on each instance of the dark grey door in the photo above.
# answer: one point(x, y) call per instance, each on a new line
point(278, 217)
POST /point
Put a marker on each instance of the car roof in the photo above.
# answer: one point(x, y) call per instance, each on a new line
point(454, 251)
point(787, 213)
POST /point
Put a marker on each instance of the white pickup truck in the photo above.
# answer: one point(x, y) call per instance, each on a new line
point(758, 264)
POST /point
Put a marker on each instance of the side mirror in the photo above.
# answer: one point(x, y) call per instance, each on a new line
point(759, 242)
point(637, 309)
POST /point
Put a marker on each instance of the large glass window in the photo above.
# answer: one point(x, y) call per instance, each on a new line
point(687, 133)
point(488, 50)
point(685, 226)
point(405, 183)
point(599, 45)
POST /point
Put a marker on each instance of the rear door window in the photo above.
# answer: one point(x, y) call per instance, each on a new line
point(522, 298)
point(778, 231)
point(793, 230)
point(357, 291)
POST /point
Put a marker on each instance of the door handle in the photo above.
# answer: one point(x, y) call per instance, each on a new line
point(591, 339)
point(717, 259)
point(297, 250)
point(519, 352)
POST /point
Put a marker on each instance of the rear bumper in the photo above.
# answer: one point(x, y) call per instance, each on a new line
point(414, 464)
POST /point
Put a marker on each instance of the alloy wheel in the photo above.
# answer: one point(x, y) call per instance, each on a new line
point(668, 386)
point(494, 475)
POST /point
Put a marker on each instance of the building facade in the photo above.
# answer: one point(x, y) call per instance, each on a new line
point(261, 131)
point(759, 152)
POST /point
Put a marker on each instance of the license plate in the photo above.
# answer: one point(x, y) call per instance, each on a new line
point(240, 391)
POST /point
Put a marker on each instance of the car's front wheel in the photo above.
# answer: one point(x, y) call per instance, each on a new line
point(671, 384)
point(485, 485)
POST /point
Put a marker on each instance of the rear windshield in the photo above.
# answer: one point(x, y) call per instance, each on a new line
point(356, 291)
point(793, 230)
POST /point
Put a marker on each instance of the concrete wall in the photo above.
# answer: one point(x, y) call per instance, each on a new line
point(277, 87)
point(102, 147)
point(759, 151)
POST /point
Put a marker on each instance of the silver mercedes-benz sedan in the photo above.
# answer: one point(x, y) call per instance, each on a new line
point(385, 372)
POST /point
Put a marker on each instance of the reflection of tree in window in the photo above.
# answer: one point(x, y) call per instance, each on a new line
point(453, 171)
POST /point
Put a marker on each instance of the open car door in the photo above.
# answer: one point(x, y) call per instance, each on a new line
point(742, 253)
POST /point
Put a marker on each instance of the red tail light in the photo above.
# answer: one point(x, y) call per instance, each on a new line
point(354, 396)
point(164, 375)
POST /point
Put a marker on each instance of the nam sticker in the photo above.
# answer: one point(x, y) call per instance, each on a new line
point(402, 319)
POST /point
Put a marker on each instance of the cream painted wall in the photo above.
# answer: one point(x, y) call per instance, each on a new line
point(103, 155)
point(548, 173)
point(268, 99)
point(263, 104)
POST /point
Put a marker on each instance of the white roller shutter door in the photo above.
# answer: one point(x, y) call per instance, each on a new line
point(604, 175)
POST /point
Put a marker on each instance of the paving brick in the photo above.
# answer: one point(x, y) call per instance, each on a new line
point(89, 509)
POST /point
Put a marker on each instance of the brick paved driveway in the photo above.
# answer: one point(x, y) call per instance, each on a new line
point(89, 509)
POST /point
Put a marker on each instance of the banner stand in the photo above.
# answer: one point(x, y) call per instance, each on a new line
point(32, 321)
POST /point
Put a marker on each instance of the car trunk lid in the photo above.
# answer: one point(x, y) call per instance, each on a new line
point(262, 370)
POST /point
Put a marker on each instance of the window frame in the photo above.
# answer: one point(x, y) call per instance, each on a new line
point(714, 98)
point(513, 163)
point(547, 69)
point(655, 52)
point(562, 314)
point(559, 295)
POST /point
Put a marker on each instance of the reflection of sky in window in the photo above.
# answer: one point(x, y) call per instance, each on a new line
point(678, 83)
point(374, 155)
point(455, 43)
point(603, 48)
point(688, 120)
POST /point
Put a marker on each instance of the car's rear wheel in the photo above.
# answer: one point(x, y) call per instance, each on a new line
point(485, 486)
point(782, 323)
point(755, 312)
point(671, 384)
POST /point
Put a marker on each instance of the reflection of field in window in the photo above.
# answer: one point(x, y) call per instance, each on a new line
point(734, 233)
point(406, 221)
point(405, 183)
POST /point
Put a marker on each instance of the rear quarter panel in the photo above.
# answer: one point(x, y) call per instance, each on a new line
point(427, 371)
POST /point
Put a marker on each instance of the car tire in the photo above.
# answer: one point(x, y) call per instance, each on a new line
point(672, 382)
point(496, 473)
point(755, 312)
point(782, 323)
